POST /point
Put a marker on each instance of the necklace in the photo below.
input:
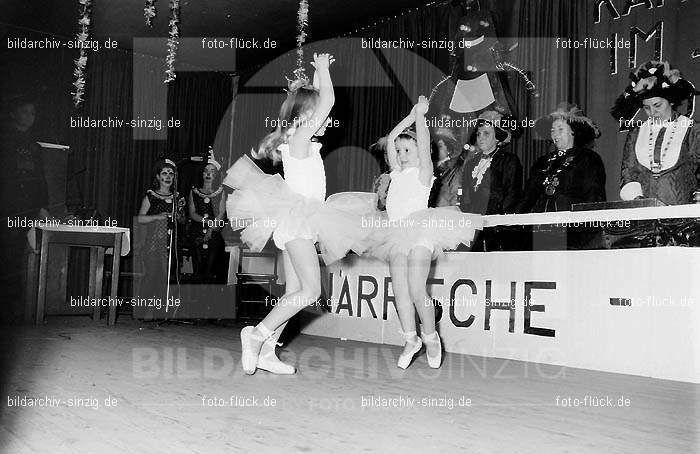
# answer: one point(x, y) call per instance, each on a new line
point(653, 165)
point(551, 181)
point(207, 196)
point(167, 197)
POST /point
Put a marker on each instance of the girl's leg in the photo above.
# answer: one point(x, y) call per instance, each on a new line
point(304, 262)
point(398, 267)
point(405, 309)
point(268, 360)
point(418, 269)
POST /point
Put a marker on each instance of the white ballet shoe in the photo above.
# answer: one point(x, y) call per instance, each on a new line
point(433, 349)
point(251, 343)
point(413, 346)
point(268, 360)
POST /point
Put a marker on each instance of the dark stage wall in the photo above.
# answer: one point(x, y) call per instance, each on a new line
point(109, 170)
point(376, 87)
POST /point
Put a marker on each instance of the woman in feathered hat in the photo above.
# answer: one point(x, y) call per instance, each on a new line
point(572, 172)
point(661, 156)
point(492, 179)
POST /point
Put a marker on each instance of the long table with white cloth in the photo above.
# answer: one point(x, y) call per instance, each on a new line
point(632, 311)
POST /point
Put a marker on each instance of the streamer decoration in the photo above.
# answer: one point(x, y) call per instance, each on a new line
point(302, 23)
point(81, 62)
point(173, 41)
point(149, 12)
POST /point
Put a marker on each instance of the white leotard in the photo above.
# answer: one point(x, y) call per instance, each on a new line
point(305, 176)
point(406, 193)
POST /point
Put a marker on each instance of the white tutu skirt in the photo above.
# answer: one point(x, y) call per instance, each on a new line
point(436, 229)
point(264, 205)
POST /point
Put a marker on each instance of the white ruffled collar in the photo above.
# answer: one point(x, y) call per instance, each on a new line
point(673, 148)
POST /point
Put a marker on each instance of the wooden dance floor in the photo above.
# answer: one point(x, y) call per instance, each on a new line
point(180, 389)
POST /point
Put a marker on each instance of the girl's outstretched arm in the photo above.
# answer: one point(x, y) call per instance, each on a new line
point(423, 139)
point(322, 77)
point(390, 146)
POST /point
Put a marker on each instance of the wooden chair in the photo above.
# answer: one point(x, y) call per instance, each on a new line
point(251, 277)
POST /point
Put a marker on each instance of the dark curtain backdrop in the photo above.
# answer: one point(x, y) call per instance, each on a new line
point(558, 74)
point(120, 168)
point(108, 169)
point(375, 88)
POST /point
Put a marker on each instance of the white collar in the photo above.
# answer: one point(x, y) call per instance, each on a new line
point(641, 148)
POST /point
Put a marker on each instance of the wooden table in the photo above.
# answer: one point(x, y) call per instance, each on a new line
point(99, 239)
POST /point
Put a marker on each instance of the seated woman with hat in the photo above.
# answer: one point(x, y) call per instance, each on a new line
point(661, 156)
point(572, 172)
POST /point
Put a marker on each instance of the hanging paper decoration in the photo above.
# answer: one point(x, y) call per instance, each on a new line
point(302, 22)
point(435, 88)
point(173, 40)
point(149, 12)
point(81, 62)
point(529, 84)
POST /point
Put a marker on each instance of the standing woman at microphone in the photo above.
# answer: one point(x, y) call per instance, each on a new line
point(158, 206)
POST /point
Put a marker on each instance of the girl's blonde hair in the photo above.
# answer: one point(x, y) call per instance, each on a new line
point(301, 101)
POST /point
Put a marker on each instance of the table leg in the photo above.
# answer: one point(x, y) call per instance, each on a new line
point(31, 289)
point(234, 258)
point(91, 284)
point(116, 256)
point(99, 276)
point(43, 262)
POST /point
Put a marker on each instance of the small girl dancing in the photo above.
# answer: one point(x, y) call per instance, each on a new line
point(293, 211)
point(414, 234)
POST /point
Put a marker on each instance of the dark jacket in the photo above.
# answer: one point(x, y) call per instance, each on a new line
point(499, 189)
point(580, 176)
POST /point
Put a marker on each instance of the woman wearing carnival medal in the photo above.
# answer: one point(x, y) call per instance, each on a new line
point(206, 205)
point(661, 156)
point(572, 172)
point(161, 208)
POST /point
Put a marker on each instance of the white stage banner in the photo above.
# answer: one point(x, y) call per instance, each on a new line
point(632, 311)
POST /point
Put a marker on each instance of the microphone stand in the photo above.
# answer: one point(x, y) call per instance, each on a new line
point(172, 229)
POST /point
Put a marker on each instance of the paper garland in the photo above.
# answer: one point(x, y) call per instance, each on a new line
point(173, 41)
point(81, 62)
point(302, 22)
point(149, 12)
